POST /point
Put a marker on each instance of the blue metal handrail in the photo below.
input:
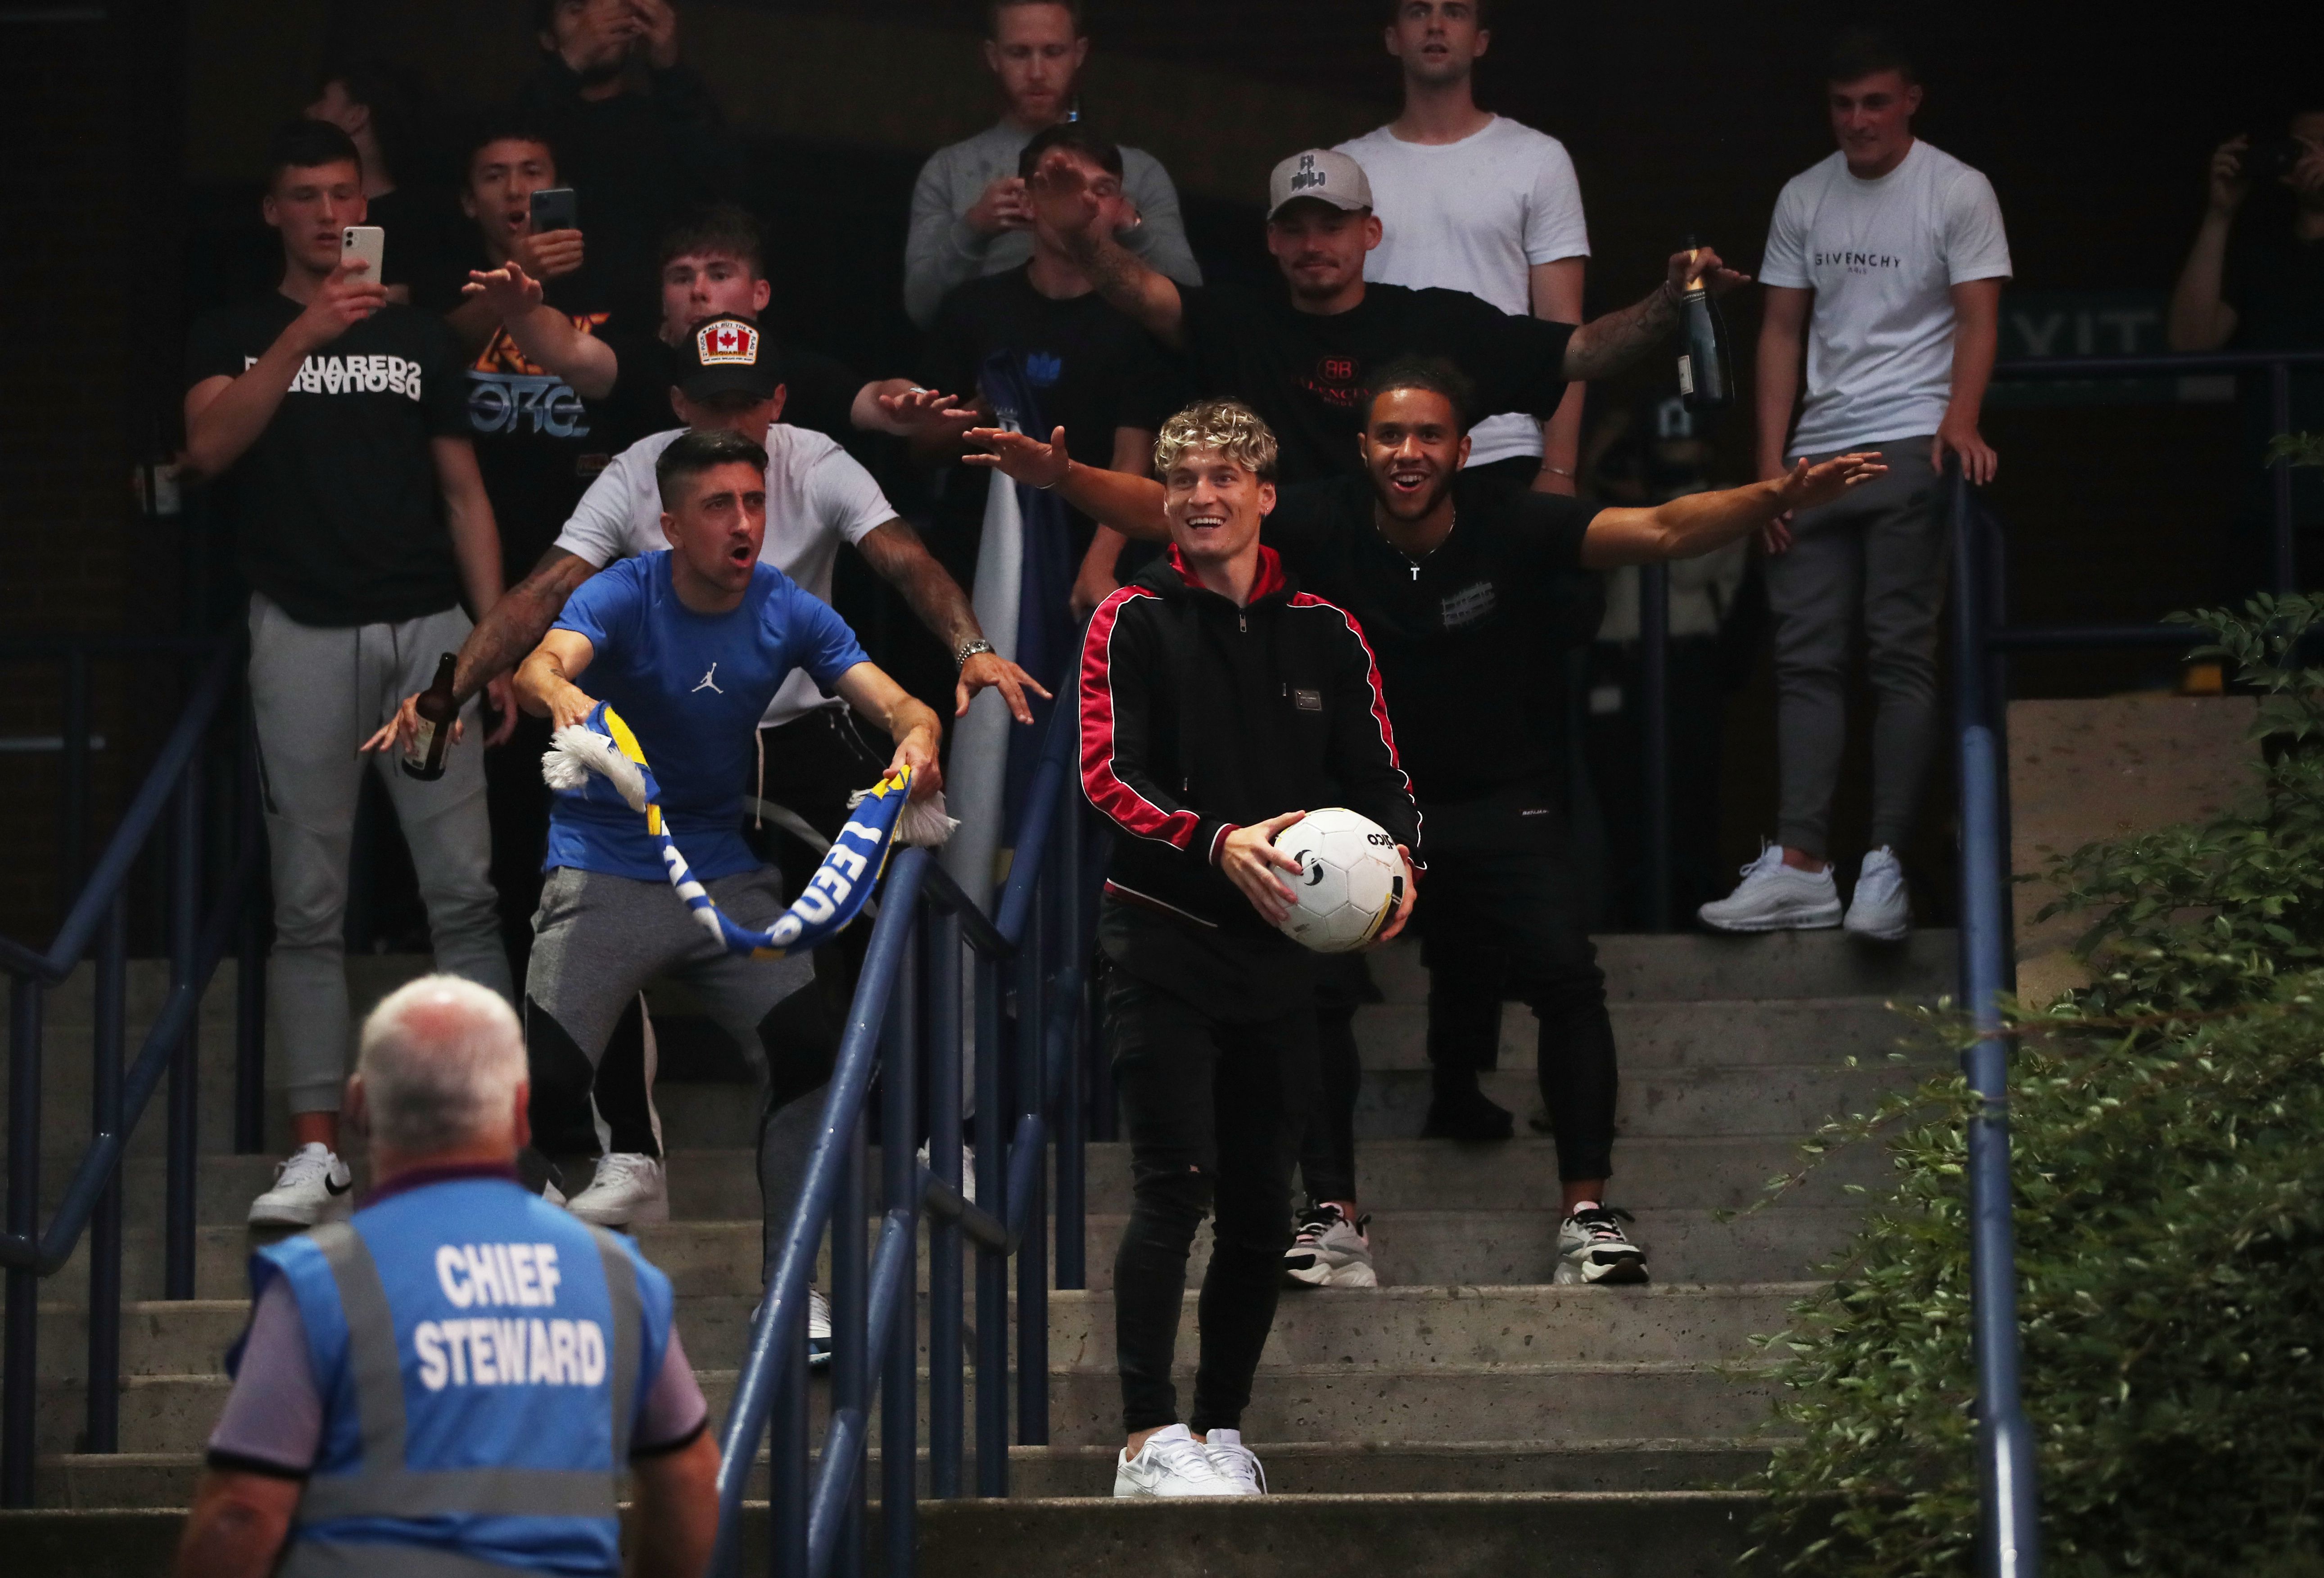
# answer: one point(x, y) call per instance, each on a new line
point(2010, 1506)
point(92, 1200)
point(907, 1018)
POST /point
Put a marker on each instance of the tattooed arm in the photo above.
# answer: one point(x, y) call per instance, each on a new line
point(1083, 223)
point(1603, 346)
point(508, 632)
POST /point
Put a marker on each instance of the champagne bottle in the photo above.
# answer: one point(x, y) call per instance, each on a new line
point(1704, 383)
point(432, 741)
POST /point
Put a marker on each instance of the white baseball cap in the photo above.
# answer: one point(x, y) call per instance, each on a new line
point(1321, 173)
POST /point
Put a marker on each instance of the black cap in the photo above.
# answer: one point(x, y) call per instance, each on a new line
point(724, 356)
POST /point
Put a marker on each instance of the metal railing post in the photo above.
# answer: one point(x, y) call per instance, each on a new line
point(1032, 1249)
point(20, 1361)
point(945, 1293)
point(992, 1266)
point(1653, 741)
point(787, 1456)
point(899, 1388)
point(1072, 1125)
point(250, 972)
point(850, 1364)
point(185, 1067)
point(108, 992)
point(2010, 1515)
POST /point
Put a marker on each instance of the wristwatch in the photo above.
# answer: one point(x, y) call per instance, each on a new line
point(969, 648)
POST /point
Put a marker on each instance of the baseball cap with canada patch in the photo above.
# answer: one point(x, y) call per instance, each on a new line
point(728, 356)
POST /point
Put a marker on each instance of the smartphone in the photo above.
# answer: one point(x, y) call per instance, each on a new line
point(555, 208)
point(369, 243)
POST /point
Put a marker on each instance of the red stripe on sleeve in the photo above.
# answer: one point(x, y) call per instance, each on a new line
point(1129, 809)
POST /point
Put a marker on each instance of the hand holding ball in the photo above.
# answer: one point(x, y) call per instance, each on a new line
point(1351, 880)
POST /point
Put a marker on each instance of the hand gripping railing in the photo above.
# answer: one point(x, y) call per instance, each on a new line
point(906, 1019)
point(93, 1199)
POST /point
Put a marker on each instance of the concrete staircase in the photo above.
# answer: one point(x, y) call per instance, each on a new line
point(1467, 1417)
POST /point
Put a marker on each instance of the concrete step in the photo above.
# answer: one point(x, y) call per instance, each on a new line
point(1387, 1328)
point(1473, 1247)
point(1660, 1036)
point(1676, 1533)
point(1543, 1402)
point(1374, 1468)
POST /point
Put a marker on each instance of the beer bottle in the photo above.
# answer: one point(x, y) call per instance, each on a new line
point(432, 741)
point(1704, 383)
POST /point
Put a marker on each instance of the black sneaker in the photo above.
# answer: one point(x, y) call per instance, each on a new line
point(1466, 1113)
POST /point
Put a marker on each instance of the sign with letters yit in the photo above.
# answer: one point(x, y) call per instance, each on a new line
point(2093, 323)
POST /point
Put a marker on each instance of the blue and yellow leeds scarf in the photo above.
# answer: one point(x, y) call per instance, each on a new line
point(600, 758)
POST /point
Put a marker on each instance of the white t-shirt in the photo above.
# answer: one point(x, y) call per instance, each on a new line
point(1882, 257)
point(1475, 216)
point(817, 494)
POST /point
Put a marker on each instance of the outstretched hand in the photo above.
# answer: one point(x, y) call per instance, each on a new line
point(917, 411)
point(507, 290)
point(990, 671)
point(1248, 857)
point(1019, 456)
point(1806, 486)
point(1062, 197)
point(1701, 263)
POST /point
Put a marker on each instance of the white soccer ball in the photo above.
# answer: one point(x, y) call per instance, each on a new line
point(1351, 880)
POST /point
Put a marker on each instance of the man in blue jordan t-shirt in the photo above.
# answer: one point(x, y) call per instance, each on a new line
point(687, 646)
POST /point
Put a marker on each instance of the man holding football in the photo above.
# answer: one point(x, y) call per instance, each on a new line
point(1452, 577)
point(1218, 704)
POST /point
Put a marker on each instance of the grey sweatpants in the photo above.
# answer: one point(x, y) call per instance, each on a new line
point(597, 940)
point(1877, 558)
point(315, 694)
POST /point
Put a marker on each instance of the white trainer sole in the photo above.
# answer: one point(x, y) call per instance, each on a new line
point(1820, 919)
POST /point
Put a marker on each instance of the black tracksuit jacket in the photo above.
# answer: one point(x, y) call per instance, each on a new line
point(1198, 717)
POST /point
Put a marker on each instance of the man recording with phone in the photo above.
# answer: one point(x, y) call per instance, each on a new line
point(2262, 290)
point(330, 423)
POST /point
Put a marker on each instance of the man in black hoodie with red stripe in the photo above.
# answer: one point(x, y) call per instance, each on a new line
point(1218, 704)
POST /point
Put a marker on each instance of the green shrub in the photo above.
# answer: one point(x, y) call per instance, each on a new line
point(2167, 1128)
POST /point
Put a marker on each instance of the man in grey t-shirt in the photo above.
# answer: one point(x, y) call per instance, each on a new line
point(970, 214)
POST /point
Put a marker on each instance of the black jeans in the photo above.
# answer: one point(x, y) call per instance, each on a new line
point(1500, 911)
point(1327, 1155)
point(1214, 1110)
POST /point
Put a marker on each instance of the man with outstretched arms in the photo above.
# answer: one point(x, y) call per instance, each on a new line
point(1451, 576)
point(460, 1378)
point(688, 647)
point(811, 752)
point(1303, 358)
point(1220, 703)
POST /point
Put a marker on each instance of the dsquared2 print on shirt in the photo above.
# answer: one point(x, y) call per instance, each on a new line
point(361, 374)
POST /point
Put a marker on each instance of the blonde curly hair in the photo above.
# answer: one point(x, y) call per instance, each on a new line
point(1227, 426)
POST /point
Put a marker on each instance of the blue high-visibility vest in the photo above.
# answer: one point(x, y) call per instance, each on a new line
point(481, 1357)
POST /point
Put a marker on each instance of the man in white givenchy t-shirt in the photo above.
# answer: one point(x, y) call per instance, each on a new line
point(1469, 200)
point(1887, 258)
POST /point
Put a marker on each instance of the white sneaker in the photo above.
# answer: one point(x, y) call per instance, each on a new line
point(967, 1169)
point(1880, 908)
point(1593, 1251)
point(1236, 1463)
point(818, 1328)
point(1331, 1251)
point(312, 1186)
point(1171, 1463)
point(1774, 897)
point(628, 1188)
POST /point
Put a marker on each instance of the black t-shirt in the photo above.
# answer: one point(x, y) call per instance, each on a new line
point(1457, 632)
point(818, 391)
point(336, 508)
point(539, 444)
point(1091, 367)
point(2276, 283)
point(1309, 373)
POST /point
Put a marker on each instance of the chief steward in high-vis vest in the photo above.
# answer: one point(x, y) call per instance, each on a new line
point(452, 1383)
